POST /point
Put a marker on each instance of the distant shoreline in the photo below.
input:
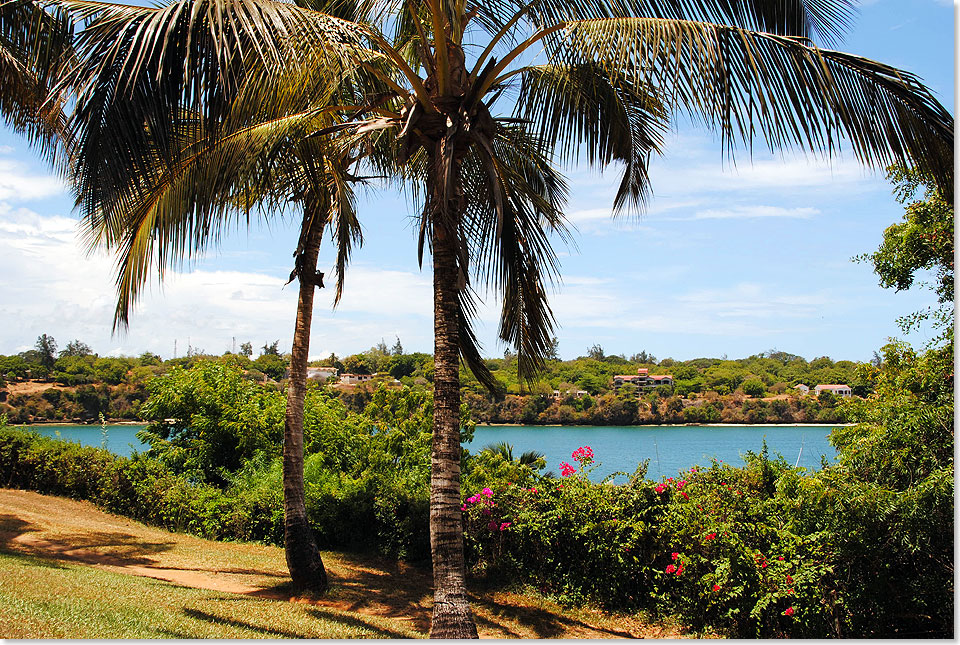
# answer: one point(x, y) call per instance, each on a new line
point(670, 425)
point(521, 425)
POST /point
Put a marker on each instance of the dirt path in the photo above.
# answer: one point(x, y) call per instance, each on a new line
point(64, 529)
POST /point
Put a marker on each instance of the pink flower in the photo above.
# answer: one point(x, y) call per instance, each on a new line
point(566, 469)
point(710, 536)
point(583, 454)
point(505, 526)
point(788, 611)
point(463, 508)
point(472, 500)
point(674, 555)
point(670, 568)
point(685, 496)
point(487, 492)
point(716, 587)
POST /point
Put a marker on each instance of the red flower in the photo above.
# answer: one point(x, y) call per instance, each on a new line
point(789, 578)
point(674, 555)
point(710, 536)
point(788, 611)
point(680, 569)
point(716, 587)
point(780, 558)
point(670, 568)
point(566, 469)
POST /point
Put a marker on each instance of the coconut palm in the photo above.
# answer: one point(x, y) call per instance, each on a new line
point(486, 99)
point(188, 177)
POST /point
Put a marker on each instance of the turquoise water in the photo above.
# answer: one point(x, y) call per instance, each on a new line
point(120, 439)
point(616, 448)
point(669, 449)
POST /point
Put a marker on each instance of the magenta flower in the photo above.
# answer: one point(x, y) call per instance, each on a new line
point(505, 526)
point(488, 492)
point(566, 469)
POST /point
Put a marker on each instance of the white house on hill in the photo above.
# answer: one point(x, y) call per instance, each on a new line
point(322, 373)
point(354, 379)
point(839, 390)
point(643, 379)
point(802, 389)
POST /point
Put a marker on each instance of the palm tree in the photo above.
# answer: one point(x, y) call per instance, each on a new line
point(190, 175)
point(505, 450)
point(570, 79)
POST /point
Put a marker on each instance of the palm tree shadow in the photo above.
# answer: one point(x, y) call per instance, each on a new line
point(545, 624)
point(355, 622)
point(234, 622)
point(122, 549)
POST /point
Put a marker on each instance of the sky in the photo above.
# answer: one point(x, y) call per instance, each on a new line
point(728, 259)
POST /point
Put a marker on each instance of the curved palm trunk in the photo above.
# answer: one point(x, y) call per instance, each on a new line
point(451, 610)
point(303, 557)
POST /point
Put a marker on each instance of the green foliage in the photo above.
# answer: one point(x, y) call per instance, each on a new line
point(273, 365)
point(208, 420)
point(754, 387)
point(923, 241)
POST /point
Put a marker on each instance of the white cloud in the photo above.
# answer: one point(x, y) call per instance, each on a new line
point(754, 211)
point(17, 183)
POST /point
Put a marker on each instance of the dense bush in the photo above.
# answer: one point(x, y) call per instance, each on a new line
point(860, 548)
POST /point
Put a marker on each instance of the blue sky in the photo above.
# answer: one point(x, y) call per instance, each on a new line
point(726, 260)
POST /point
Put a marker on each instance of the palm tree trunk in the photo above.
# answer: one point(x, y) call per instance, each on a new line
point(452, 617)
point(303, 557)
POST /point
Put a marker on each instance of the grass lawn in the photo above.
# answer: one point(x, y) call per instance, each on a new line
point(69, 570)
point(44, 599)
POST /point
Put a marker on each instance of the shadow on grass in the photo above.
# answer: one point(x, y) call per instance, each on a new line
point(353, 621)
point(96, 547)
point(233, 622)
point(32, 560)
point(545, 624)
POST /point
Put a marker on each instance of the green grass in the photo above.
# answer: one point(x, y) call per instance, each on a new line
point(40, 599)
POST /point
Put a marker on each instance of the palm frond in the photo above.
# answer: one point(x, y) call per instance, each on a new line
point(751, 85)
point(580, 111)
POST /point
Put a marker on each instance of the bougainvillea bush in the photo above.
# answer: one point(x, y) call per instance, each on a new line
point(861, 548)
